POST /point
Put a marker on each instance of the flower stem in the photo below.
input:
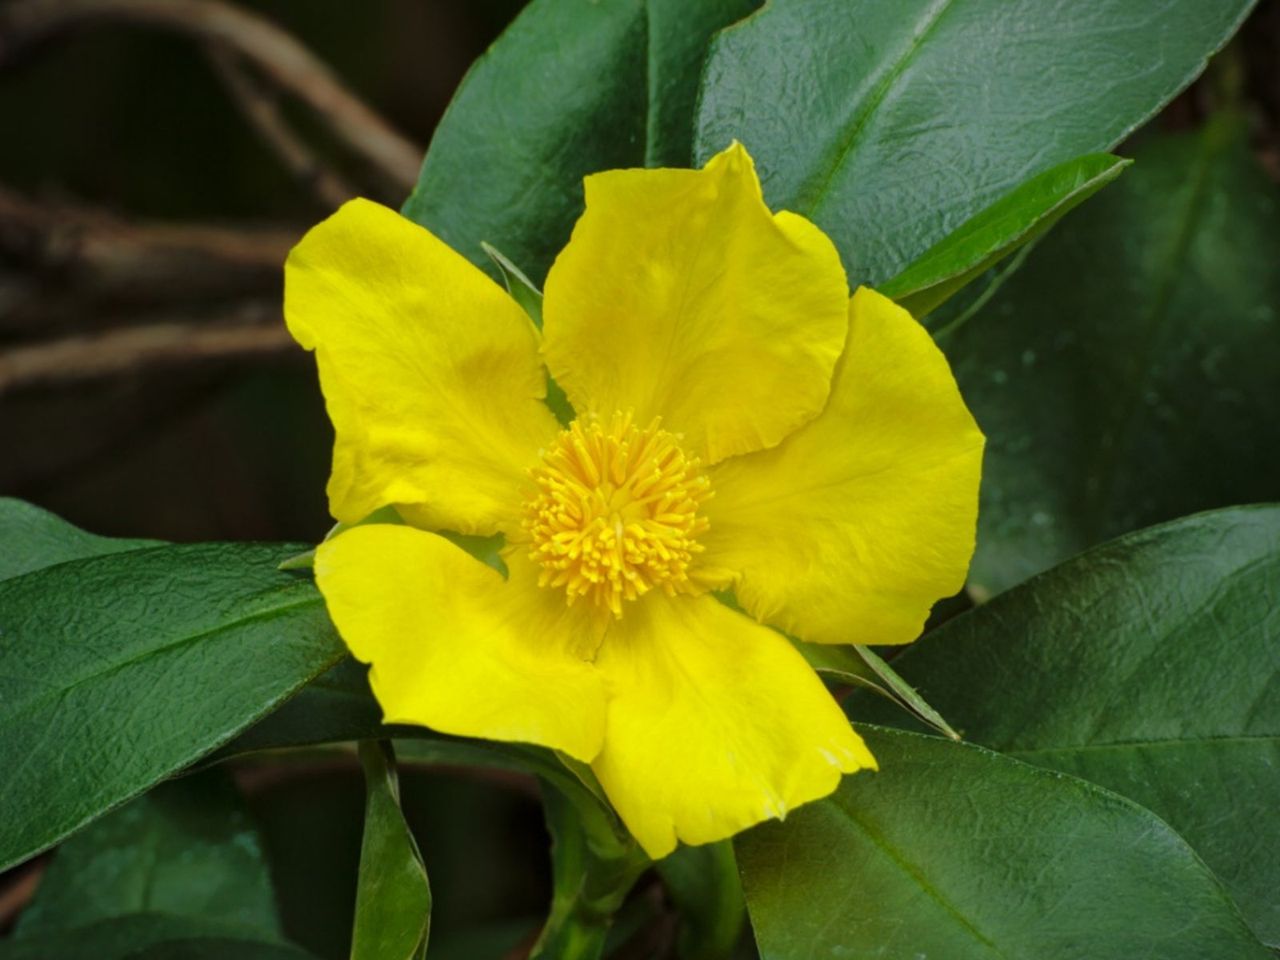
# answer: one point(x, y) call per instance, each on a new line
point(594, 864)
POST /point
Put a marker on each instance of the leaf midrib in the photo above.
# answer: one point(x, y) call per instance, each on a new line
point(1141, 744)
point(269, 613)
point(811, 196)
point(917, 876)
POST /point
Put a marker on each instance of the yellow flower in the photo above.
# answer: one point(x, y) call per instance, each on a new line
point(742, 423)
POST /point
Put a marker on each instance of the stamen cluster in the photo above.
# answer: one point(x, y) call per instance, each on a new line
point(616, 512)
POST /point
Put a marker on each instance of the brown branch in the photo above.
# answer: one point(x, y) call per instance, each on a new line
point(262, 112)
point(14, 899)
point(131, 349)
point(280, 57)
point(96, 256)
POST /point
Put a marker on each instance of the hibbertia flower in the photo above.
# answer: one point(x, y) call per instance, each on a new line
point(743, 427)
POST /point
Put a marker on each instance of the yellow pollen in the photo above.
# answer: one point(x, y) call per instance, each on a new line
point(615, 512)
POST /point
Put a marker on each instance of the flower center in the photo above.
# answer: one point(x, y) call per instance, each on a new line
point(616, 512)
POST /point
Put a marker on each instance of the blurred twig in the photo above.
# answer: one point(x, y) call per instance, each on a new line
point(94, 255)
point(262, 111)
point(255, 331)
point(279, 57)
point(18, 893)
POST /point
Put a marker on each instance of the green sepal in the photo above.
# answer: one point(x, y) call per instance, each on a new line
point(982, 241)
point(524, 292)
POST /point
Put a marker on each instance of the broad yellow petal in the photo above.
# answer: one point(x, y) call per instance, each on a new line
point(680, 295)
point(456, 648)
point(429, 370)
point(715, 723)
point(853, 527)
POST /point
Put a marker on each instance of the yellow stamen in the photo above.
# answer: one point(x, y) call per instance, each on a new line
point(615, 512)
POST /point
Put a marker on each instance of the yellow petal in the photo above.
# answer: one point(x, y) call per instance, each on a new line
point(715, 724)
point(456, 648)
point(681, 296)
point(429, 370)
point(850, 529)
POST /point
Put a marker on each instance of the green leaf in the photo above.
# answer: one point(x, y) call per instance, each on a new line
point(34, 539)
point(891, 122)
point(117, 671)
point(1011, 222)
point(572, 87)
point(703, 884)
point(955, 852)
point(1149, 665)
point(186, 849)
point(393, 900)
point(146, 936)
point(1126, 375)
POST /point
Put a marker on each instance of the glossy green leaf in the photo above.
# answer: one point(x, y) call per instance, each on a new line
point(186, 849)
point(572, 87)
point(704, 886)
point(955, 852)
point(116, 671)
point(892, 122)
point(31, 539)
point(1013, 221)
point(1127, 373)
point(1149, 665)
point(393, 899)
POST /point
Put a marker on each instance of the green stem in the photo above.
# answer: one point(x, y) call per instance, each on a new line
point(594, 864)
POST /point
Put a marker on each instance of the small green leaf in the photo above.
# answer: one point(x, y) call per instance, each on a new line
point(119, 670)
point(393, 900)
point(955, 852)
point(703, 884)
point(1148, 665)
point(186, 849)
point(984, 240)
point(33, 539)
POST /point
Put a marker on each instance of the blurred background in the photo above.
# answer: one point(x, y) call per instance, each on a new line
point(138, 195)
point(152, 179)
